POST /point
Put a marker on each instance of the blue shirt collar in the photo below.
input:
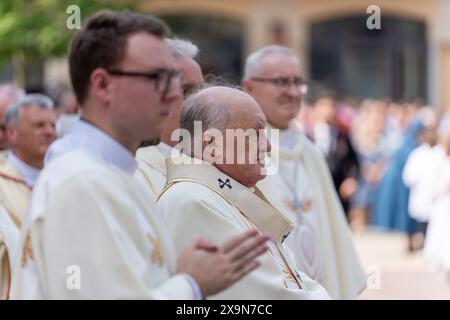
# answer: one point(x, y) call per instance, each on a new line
point(28, 173)
point(99, 144)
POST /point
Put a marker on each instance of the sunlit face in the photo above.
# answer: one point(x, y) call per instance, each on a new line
point(279, 104)
point(137, 110)
point(245, 115)
point(33, 134)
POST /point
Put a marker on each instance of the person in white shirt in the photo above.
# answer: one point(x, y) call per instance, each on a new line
point(417, 173)
point(436, 250)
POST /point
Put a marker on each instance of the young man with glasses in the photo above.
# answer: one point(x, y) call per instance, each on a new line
point(302, 187)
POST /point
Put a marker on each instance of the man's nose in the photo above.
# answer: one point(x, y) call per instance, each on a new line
point(294, 90)
point(49, 129)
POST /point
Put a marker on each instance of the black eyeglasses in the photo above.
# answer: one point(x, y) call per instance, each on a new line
point(162, 77)
point(284, 82)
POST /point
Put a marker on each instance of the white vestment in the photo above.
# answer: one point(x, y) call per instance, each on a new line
point(420, 174)
point(16, 180)
point(199, 199)
point(303, 190)
point(92, 230)
point(437, 242)
point(152, 167)
point(9, 235)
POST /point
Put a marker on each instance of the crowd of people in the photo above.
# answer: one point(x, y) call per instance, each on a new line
point(388, 161)
point(99, 181)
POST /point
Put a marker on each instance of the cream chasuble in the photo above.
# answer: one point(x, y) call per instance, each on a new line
point(9, 238)
point(152, 167)
point(199, 199)
point(303, 191)
point(14, 192)
point(14, 197)
point(92, 233)
point(5, 269)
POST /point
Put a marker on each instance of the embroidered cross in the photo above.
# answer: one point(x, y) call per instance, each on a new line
point(27, 251)
point(223, 184)
point(290, 276)
point(156, 252)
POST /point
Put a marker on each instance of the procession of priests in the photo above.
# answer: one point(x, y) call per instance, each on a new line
point(167, 186)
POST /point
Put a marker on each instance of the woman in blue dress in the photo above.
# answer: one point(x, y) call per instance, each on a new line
point(391, 205)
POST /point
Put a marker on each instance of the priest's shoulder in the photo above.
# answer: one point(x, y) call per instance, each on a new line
point(70, 164)
point(189, 192)
point(144, 153)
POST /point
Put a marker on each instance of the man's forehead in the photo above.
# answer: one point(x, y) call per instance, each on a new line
point(278, 63)
point(33, 113)
point(147, 51)
point(190, 69)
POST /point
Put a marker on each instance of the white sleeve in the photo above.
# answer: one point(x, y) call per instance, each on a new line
point(411, 171)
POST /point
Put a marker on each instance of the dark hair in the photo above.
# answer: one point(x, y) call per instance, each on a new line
point(102, 43)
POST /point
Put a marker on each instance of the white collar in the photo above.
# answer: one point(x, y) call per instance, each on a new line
point(28, 173)
point(99, 144)
point(165, 149)
point(287, 136)
point(287, 139)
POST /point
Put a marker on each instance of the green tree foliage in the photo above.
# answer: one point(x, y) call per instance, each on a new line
point(36, 29)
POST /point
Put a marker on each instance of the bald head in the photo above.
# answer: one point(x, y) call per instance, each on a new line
point(231, 124)
point(220, 108)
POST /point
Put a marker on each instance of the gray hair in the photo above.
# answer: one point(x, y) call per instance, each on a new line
point(40, 100)
point(182, 48)
point(253, 60)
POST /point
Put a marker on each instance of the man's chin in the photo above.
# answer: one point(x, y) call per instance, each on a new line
point(149, 142)
point(283, 125)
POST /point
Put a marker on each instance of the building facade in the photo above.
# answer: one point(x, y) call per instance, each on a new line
point(407, 59)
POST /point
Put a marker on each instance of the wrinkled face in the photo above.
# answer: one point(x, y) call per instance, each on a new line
point(137, 109)
point(247, 161)
point(34, 133)
point(191, 78)
point(280, 104)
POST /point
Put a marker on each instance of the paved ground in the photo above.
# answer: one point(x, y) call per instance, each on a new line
point(395, 274)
